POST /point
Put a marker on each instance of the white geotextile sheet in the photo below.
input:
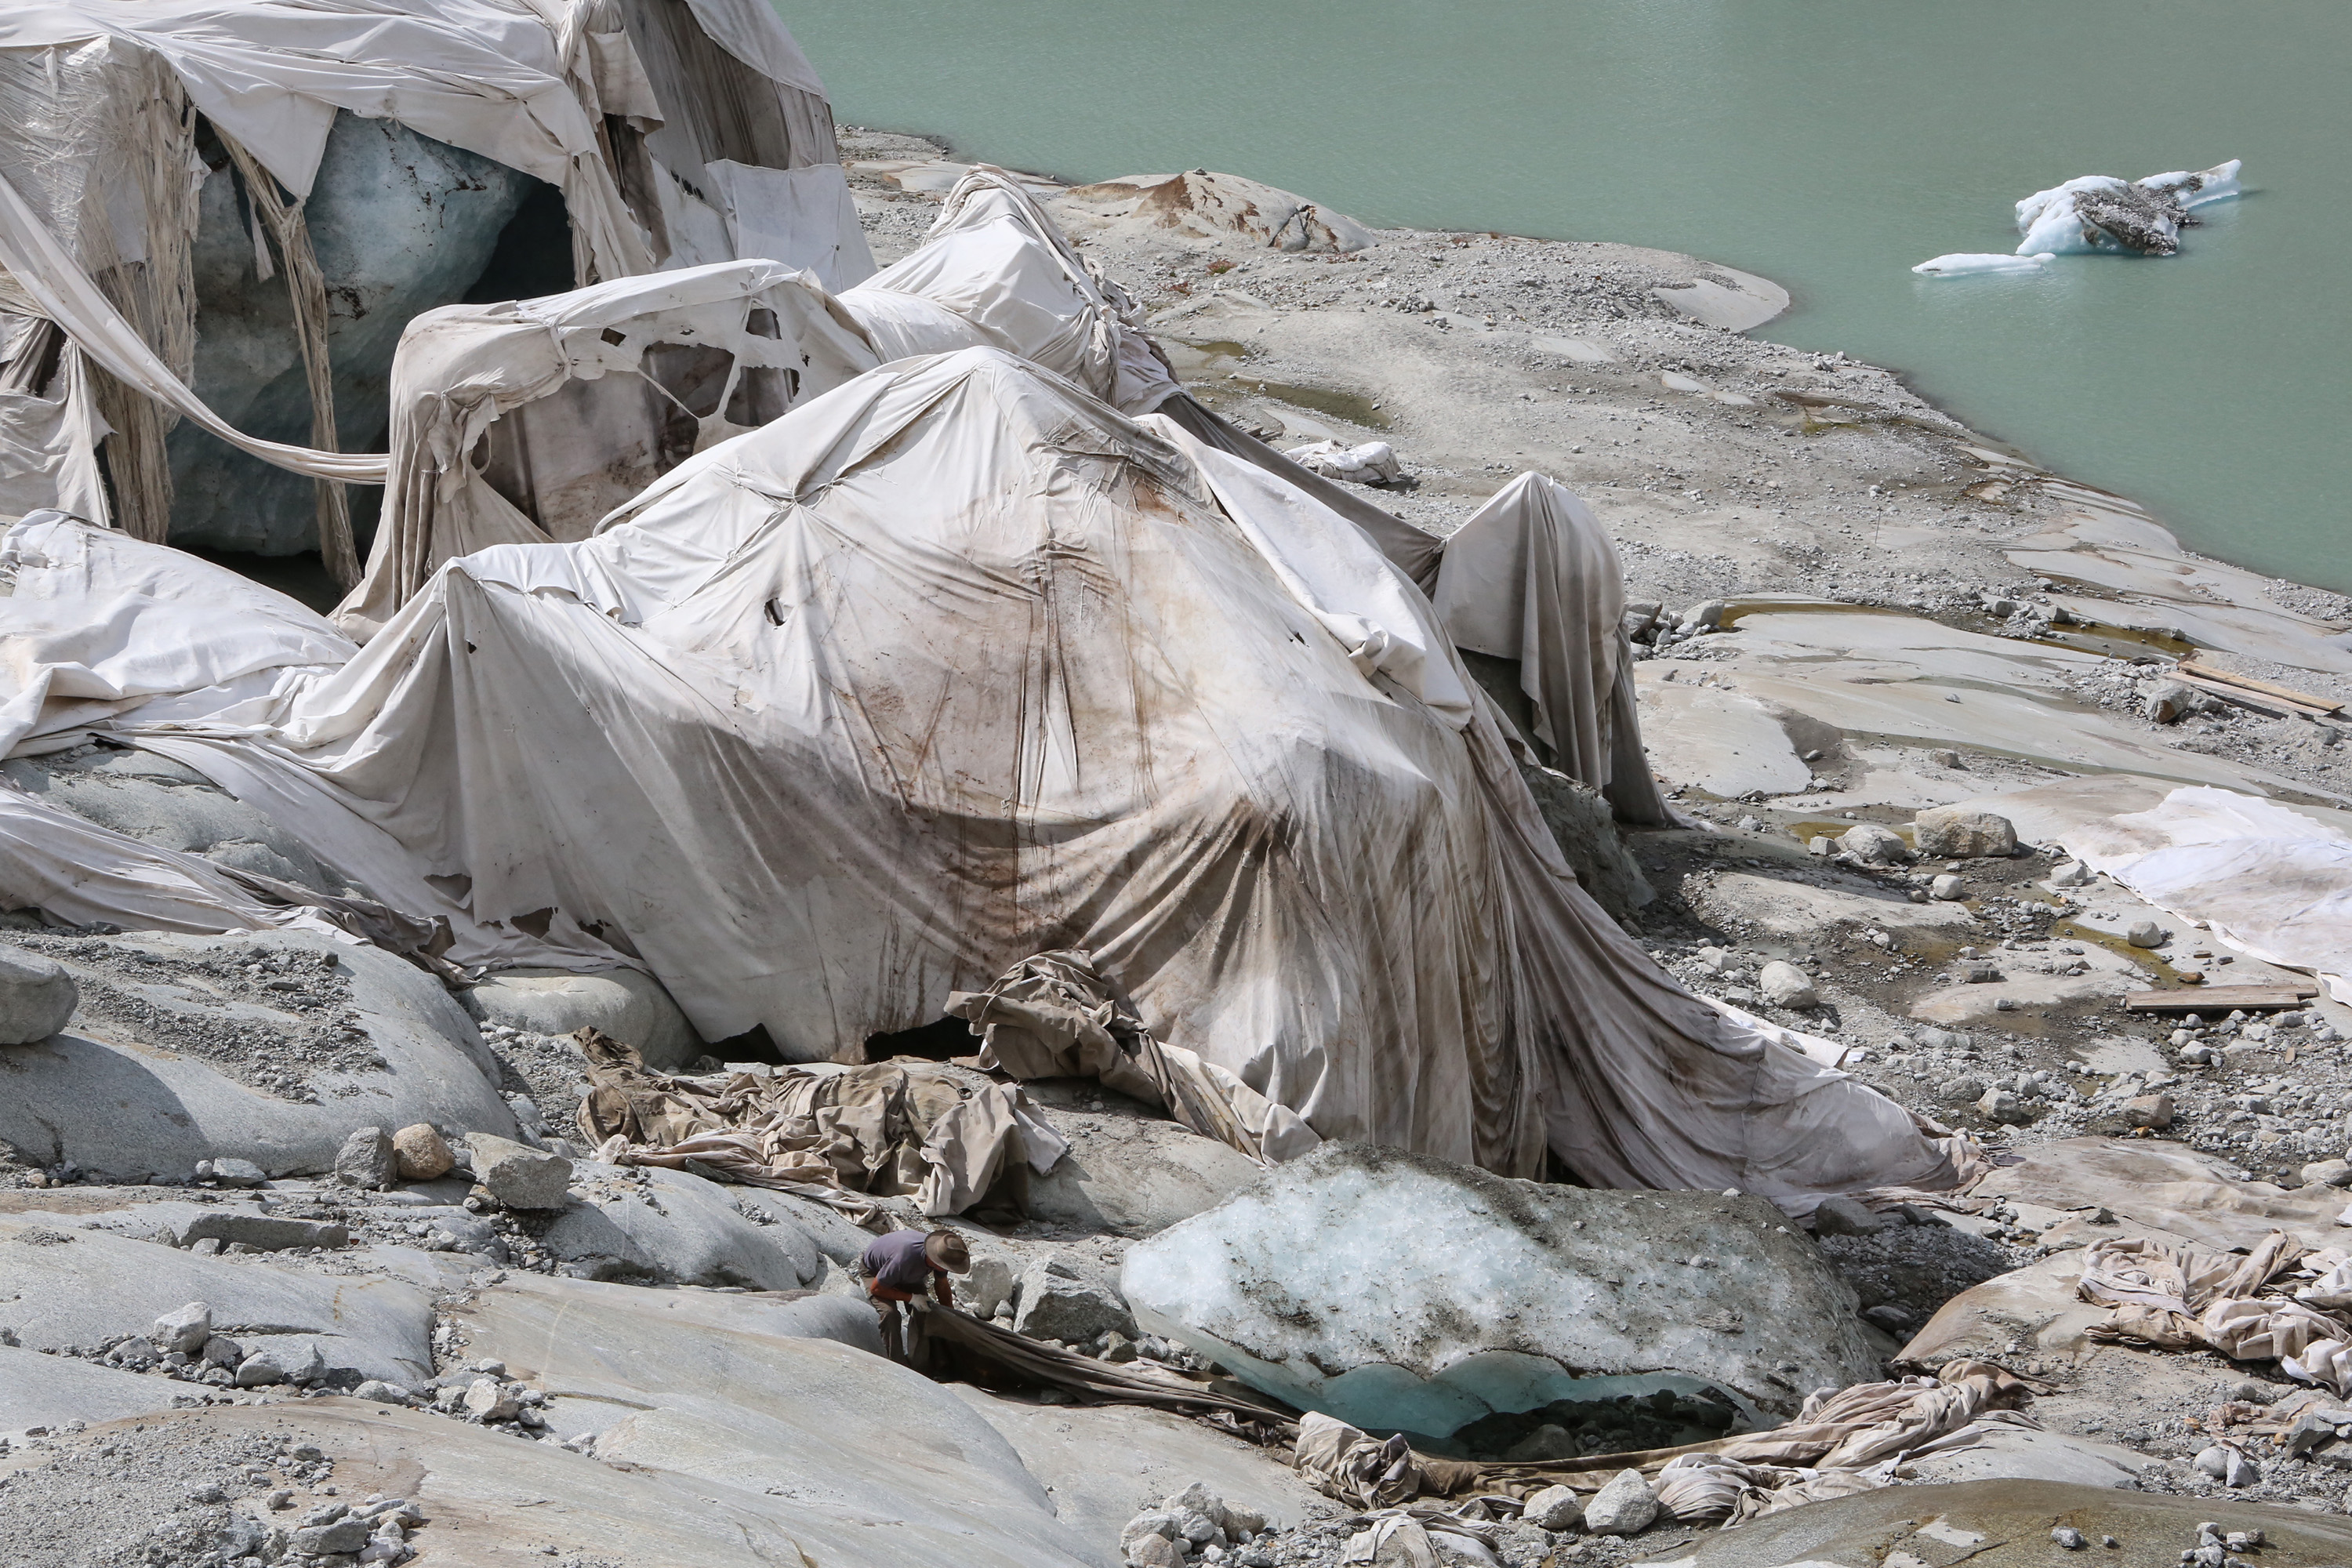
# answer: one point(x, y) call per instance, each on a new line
point(803, 218)
point(460, 368)
point(2272, 883)
point(956, 664)
point(1533, 576)
point(996, 271)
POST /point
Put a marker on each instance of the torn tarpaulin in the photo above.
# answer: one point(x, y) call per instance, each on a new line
point(1054, 1017)
point(883, 1130)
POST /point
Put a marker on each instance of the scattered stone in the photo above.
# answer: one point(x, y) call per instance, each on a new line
point(489, 1400)
point(299, 1362)
point(1554, 1509)
point(367, 1160)
point(36, 997)
point(2146, 933)
point(345, 1534)
point(2001, 1105)
point(1626, 1506)
point(2069, 874)
point(2327, 1173)
point(520, 1177)
point(1960, 833)
point(381, 1392)
point(231, 1172)
point(2068, 1537)
point(1948, 887)
point(2170, 701)
point(1784, 984)
point(422, 1154)
point(1846, 1216)
point(2153, 1112)
point(184, 1329)
point(1874, 846)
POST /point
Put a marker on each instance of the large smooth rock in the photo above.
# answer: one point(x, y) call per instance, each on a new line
point(1133, 1174)
point(886, 1496)
point(75, 1286)
point(670, 1228)
point(163, 1066)
point(1394, 1291)
point(2006, 1524)
point(400, 223)
point(167, 803)
point(38, 1390)
point(36, 997)
point(628, 1006)
point(733, 1391)
point(1103, 1462)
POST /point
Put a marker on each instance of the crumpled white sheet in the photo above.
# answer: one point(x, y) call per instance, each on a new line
point(2278, 1302)
point(1372, 463)
point(2269, 880)
point(996, 271)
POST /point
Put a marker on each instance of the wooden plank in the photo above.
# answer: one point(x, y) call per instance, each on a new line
point(2260, 702)
point(2219, 999)
point(2301, 699)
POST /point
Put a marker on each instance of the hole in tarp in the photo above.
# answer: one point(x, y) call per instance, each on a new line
point(754, 1045)
point(535, 923)
point(533, 255)
point(614, 336)
point(943, 1039)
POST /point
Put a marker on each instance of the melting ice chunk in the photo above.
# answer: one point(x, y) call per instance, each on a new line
point(2100, 212)
point(1970, 264)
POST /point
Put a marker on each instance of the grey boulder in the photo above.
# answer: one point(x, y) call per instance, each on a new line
point(1057, 1302)
point(367, 1160)
point(36, 997)
point(1784, 984)
point(1963, 832)
point(519, 1176)
point(1132, 1173)
point(1554, 1509)
point(1873, 845)
point(1626, 1506)
point(1396, 1290)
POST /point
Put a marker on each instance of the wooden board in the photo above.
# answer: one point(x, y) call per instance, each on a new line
point(2219, 999)
point(2230, 678)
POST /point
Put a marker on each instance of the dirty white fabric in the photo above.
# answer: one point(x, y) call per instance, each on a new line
point(995, 271)
point(574, 387)
point(1373, 463)
point(487, 75)
point(955, 665)
point(2278, 1302)
point(1533, 576)
point(802, 218)
point(2272, 883)
point(1054, 1017)
point(94, 623)
point(882, 1131)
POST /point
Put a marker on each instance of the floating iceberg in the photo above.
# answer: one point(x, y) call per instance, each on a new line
point(1970, 264)
point(2100, 212)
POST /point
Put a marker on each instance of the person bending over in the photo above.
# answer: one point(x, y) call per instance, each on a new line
point(900, 1266)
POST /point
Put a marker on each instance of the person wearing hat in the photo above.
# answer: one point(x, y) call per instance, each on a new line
point(900, 1266)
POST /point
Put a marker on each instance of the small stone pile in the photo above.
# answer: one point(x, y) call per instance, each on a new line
point(1196, 1525)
